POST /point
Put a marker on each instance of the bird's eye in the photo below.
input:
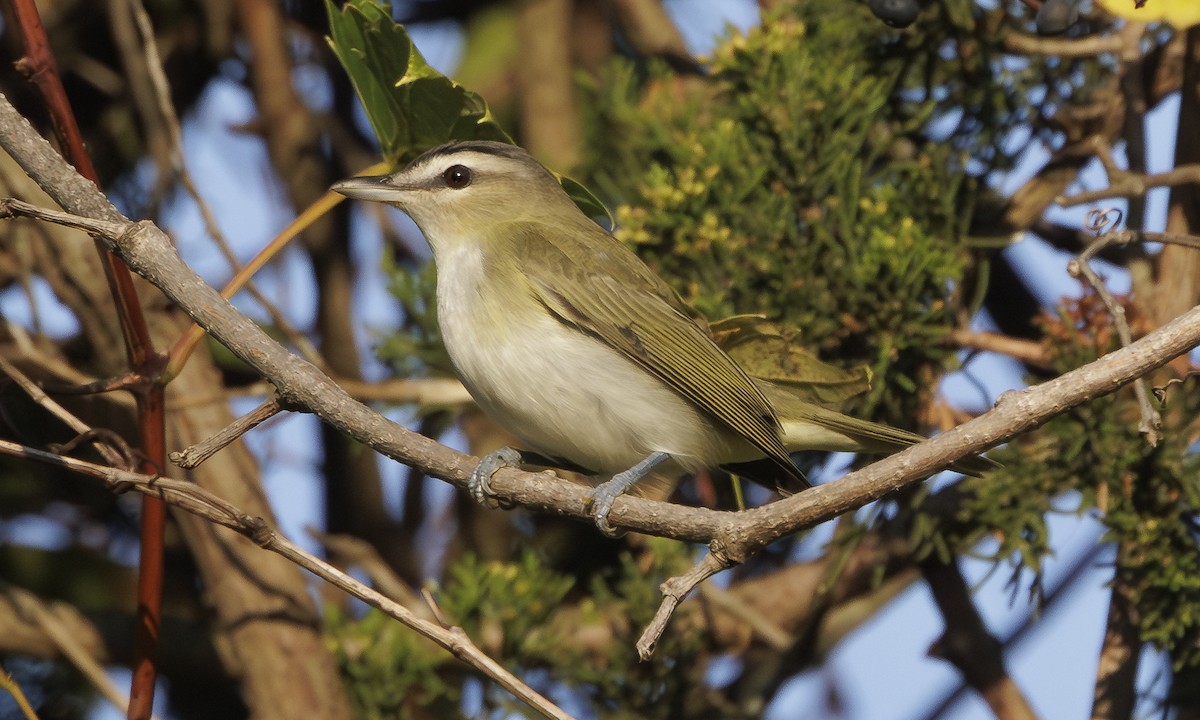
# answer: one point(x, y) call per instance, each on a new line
point(457, 177)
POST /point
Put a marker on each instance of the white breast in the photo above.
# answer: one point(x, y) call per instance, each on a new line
point(564, 393)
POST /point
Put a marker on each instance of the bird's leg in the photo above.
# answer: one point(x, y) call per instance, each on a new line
point(603, 496)
point(479, 484)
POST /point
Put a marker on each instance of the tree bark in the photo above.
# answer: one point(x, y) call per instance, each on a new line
point(1116, 676)
point(1178, 286)
point(549, 122)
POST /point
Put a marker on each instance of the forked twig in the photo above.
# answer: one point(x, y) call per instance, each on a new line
point(191, 457)
point(674, 590)
point(1102, 222)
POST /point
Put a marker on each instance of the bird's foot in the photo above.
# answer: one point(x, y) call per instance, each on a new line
point(479, 484)
point(602, 497)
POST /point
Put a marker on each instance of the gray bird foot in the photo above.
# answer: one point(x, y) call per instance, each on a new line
point(479, 484)
point(601, 498)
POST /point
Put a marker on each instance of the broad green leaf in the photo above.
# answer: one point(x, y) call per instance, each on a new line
point(769, 352)
point(411, 106)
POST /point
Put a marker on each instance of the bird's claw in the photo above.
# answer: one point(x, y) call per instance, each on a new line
point(600, 502)
point(601, 499)
point(479, 484)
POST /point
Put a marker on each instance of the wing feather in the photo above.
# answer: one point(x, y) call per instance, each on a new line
point(622, 303)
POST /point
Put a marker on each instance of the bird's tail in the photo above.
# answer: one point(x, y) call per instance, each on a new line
point(808, 426)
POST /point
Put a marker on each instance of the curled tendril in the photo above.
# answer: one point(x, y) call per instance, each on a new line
point(1160, 392)
point(1101, 221)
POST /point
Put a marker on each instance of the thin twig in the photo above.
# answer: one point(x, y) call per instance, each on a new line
point(434, 609)
point(33, 608)
point(1098, 220)
point(198, 501)
point(55, 366)
point(674, 590)
point(350, 551)
point(191, 457)
point(445, 392)
point(1027, 351)
point(1127, 184)
point(1089, 46)
point(427, 392)
point(10, 686)
point(769, 632)
point(1160, 391)
point(39, 396)
point(160, 90)
point(1121, 237)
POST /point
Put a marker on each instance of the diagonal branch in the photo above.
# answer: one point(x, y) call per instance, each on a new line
point(198, 501)
point(969, 646)
point(34, 611)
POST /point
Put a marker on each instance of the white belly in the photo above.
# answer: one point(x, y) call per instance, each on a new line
point(563, 393)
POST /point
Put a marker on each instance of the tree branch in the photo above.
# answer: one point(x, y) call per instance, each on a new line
point(34, 611)
point(1124, 184)
point(967, 644)
point(1027, 351)
point(198, 501)
point(1116, 674)
point(1089, 46)
point(257, 597)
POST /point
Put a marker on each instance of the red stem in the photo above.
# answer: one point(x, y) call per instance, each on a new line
point(40, 68)
point(150, 562)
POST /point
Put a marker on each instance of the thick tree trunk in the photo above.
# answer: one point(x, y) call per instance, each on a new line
point(1178, 287)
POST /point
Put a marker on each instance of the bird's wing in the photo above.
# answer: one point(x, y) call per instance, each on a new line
point(622, 303)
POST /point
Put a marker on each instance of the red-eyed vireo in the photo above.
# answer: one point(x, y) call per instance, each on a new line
point(567, 339)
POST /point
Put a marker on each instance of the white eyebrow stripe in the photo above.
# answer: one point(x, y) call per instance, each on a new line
point(472, 159)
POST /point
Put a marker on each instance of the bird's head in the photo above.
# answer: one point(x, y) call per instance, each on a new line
point(461, 190)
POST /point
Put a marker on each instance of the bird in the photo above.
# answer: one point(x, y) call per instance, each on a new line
point(566, 338)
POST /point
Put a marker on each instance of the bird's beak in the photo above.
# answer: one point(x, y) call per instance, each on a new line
point(378, 188)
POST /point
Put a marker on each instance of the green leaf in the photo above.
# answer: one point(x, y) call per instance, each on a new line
point(411, 106)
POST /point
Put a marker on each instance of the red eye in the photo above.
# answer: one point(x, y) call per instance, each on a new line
point(457, 177)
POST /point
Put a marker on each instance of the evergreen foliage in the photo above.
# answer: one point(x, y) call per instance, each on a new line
point(785, 184)
point(1092, 459)
point(530, 618)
